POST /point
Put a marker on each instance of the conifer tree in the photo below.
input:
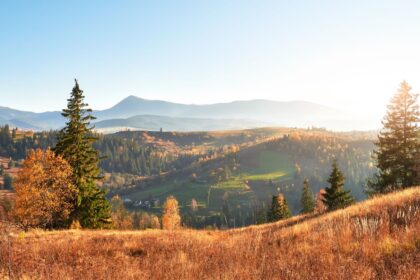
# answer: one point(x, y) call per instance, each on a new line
point(7, 182)
point(307, 199)
point(279, 209)
point(398, 147)
point(335, 196)
point(75, 145)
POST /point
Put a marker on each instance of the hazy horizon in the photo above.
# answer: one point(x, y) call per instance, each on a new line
point(347, 56)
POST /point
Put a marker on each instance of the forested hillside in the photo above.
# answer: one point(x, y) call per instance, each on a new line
point(230, 175)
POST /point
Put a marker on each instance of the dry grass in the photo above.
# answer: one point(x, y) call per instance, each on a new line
point(376, 239)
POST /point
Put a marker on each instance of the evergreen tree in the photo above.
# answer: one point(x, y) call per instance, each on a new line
point(398, 146)
point(260, 214)
point(335, 196)
point(75, 145)
point(7, 182)
point(279, 209)
point(307, 199)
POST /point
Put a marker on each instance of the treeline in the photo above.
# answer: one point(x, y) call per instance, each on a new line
point(17, 148)
point(314, 154)
point(118, 155)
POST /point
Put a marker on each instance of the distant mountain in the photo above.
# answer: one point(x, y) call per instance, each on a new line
point(262, 110)
point(218, 116)
point(155, 123)
point(30, 120)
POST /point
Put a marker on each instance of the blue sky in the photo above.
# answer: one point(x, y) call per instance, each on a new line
point(346, 54)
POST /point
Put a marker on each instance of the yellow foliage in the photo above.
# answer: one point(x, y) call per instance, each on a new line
point(310, 246)
point(171, 219)
point(45, 194)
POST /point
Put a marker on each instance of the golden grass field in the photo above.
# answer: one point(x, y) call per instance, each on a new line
point(375, 239)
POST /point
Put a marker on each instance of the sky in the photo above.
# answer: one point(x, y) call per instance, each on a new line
point(350, 55)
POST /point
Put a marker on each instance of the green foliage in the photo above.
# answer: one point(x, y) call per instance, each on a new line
point(5, 136)
point(398, 146)
point(75, 144)
point(279, 209)
point(7, 182)
point(307, 200)
point(260, 213)
point(266, 165)
point(257, 170)
point(335, 196)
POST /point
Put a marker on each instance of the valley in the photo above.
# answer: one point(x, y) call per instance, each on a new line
point(230, 175)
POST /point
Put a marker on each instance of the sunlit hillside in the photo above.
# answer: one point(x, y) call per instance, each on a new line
point(228, 173)
point(375, 239)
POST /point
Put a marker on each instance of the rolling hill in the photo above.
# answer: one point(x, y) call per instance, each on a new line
point(228, 173)
point(155, 123)
point(375, 239)
point(137, 112)
point(263, 163)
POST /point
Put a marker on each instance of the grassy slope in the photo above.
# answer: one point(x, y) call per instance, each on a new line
point(376, 239)
point(264, 168)
point(257, 165)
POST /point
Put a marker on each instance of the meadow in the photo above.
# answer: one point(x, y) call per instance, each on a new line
point(375, 239)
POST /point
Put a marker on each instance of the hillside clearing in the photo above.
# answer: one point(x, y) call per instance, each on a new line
point(375, 239)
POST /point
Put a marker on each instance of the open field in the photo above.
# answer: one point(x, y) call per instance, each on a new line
point(375, 239)
point(258, 165)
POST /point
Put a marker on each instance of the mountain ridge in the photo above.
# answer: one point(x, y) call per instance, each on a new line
point(295, 113)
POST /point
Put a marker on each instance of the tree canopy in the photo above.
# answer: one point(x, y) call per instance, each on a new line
point(335, 196)
point(279, 209)
point(307, 199)
point(398, 146)
point(75, 144)
point(171, 219)
point(45, 193)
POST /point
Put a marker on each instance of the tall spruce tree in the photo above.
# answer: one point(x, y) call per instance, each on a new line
point(398, 147)
point(307, 200)
point(335, 196)
point(75, 145)
point(279, 209)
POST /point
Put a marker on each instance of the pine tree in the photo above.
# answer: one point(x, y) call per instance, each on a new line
point(285, 210)
point(307, 199)
point(335, 196)
point(398, 147)
point(279, 209)
point(7, 182)
point(75, 145)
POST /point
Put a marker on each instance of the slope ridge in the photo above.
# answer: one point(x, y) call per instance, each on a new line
point(375, 239)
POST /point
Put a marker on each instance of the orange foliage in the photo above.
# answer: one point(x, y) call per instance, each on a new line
point(171, 219)
point(375, 239)
point(121, 218)
point(319, 204)
point(45, 194)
